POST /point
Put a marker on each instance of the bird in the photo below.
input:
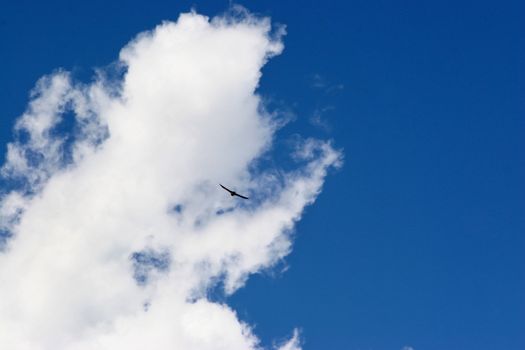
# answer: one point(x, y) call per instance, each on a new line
point(233, 193)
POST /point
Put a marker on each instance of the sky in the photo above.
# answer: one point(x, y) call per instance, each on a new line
point(381, 145)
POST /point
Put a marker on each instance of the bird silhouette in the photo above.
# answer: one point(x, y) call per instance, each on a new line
point(233, 193)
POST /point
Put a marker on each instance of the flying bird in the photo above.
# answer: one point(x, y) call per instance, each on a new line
point(233, 193)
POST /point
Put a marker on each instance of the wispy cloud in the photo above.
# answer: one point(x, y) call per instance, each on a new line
point(318, 81)
point(118, 234)
point(318, 117)
point(292, 344)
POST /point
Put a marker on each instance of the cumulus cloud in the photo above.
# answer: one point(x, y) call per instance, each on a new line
point(118, 228)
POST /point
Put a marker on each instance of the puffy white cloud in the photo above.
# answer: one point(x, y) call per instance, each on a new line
point(119, 227)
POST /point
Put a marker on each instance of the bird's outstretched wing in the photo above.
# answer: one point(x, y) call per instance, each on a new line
point(238, 195)
point(226, 188)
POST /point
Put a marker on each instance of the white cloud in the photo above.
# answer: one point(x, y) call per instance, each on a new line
point(292, 344)
point(318, 117)
point(118, 235)
point(317, 81)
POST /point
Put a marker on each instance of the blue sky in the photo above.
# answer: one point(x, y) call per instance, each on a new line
point(418, 239)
